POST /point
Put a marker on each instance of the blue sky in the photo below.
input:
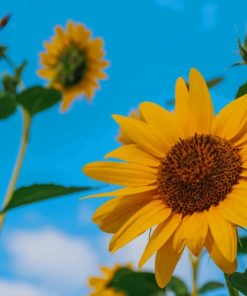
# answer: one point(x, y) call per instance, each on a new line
point(149, 44)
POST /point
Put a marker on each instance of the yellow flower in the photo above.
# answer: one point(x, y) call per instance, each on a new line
point(73, 62)
point(100, 284)
point(184, 174)
point(124, 137)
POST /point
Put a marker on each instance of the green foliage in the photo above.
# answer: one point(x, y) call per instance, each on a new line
point(242, 245)
point(39, 192)
point(38, 98)
point(134, 283)
point(177, 286)
point(7, 105)
point(215, 81)
point(243, 50)
point(210, 286)
point(3, 50)
point(239, 281)
point(242, 90)
point(11, 82)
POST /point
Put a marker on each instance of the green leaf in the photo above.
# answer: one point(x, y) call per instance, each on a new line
point(242, 90)
point(239, 281)
point(10, 83)
point(242, 245)
point(210, 286)
point(19, 70)
point(134, 283)
point(7, 105)
point(38, 98)
point(177, 286)
point(3, 50)
point(214, 81)
point(39, 192)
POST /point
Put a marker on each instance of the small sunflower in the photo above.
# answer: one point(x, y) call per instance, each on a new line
point(184, 174)
point(73, 62)
point(101, 284)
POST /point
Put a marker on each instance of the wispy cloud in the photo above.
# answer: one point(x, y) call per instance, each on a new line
point(176, 5)
point(54, 258)
point(12, 288)
point(209, 16)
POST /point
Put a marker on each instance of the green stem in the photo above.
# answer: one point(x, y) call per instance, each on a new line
point(232, 291)
point(19, 161)
point(194, 265)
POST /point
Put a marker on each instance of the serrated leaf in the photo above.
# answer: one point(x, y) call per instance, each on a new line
point(242, 245)
point(7, 105)
point(242, 90)
point(177, 286)
point(38, 98)
point(210, 286)
point(134, 283)
point(39, 192)
point(239, 281)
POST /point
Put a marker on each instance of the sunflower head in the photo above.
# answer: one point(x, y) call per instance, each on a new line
point(73, 62)
point(101, 285)
point(183, 174)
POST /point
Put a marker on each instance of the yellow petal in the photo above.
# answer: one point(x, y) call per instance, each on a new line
point(179, 239)
point(114, 213)
point(243, 155)
point(217, 256)
point(46, 73)
point(201, 107)
point(162, 120)
point(60, 33)
point(132, 153)
point(196, 231)
point(231, 122)
point(233, 208)
point(150, 215)
point(165, 263)
point(182, 109)
point(125, 174)
point(152, 189)
point(147, 137)
point(223, 233)
point(160, 236)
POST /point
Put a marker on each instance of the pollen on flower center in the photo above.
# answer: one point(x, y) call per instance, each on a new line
point(71, 66)
point(197, 173)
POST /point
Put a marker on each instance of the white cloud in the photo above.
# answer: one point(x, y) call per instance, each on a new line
point(175, 5)
point(53, 257)
point(209, 16)
point(11, 288)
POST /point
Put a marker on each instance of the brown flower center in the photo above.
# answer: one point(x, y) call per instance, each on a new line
point(71, 67)
point(197, 173)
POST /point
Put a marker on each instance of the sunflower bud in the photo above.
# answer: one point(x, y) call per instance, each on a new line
point(243, 49)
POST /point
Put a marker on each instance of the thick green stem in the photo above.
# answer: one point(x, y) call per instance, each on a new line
point(19, 161)
point(232, 291)
point(194, 265)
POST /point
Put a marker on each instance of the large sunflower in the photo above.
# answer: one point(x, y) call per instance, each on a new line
point(100, 285)
point(73, 62)
point(185, 174)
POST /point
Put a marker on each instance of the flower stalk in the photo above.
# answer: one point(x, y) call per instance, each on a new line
point(194, 265)
point(19, 161)
point(232, 291)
